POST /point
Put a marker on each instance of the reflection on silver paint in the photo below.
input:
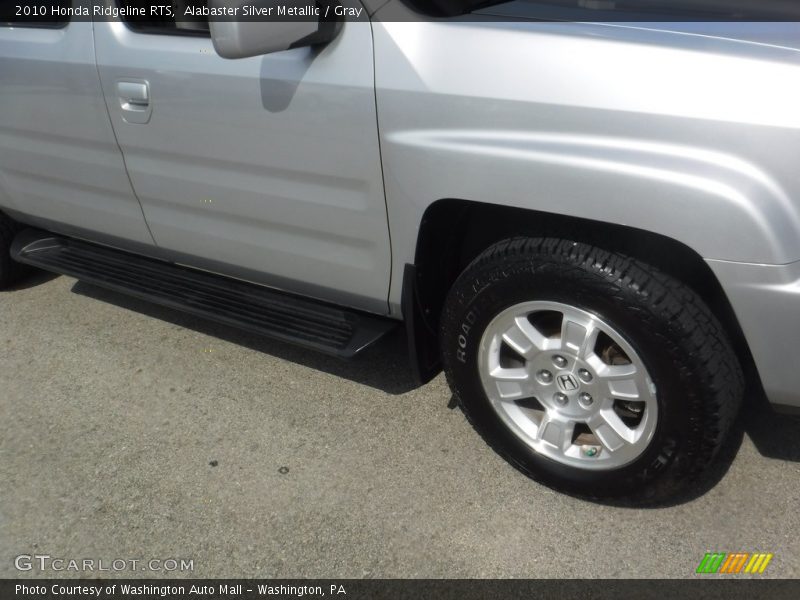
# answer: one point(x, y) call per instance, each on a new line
point(681, 133)
point(765, 299)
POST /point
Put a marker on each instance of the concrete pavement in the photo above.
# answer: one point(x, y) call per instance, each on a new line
point(131, 431)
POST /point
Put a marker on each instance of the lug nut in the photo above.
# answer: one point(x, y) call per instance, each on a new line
point(544, 376)
point(585, 376)
point(561, 398)
point(559, 361)
point(586, 399)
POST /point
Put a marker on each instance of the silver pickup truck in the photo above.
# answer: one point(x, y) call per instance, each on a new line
point(592, 225)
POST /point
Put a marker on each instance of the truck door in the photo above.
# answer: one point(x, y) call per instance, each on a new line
point(60, 166)
point(266, 168)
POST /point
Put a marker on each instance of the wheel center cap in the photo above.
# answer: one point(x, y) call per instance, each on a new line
point(567, 382)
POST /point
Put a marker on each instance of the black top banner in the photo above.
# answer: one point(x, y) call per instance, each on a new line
point(61, 12)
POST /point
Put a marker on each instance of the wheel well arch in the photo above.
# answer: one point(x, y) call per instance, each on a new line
point(453, 232)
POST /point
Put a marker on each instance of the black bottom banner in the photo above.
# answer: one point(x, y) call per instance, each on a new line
point(411, 589)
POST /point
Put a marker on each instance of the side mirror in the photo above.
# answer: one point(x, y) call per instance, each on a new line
point(268, 26)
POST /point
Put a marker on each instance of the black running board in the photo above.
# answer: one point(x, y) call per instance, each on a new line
point(265, 311)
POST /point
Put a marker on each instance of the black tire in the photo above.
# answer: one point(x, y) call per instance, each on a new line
point(686, 352)
point(10, 270)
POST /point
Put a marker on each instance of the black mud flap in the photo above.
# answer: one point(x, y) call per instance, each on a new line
point(423, 339)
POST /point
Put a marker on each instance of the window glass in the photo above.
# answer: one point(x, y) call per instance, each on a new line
point(726, 10)
point(616, 10)
point(174, 18)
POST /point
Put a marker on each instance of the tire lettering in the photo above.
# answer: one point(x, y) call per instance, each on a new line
point(466, 327)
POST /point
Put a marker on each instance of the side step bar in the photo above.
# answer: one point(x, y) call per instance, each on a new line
point(287, 317)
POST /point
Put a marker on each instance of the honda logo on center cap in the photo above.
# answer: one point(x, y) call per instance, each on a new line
point(567, 383)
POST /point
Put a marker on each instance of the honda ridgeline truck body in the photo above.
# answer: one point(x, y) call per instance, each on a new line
point(594, 227)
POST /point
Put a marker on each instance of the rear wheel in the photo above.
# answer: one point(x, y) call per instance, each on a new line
point(588, 370)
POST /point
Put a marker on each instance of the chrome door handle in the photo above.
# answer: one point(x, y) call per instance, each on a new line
point(134, 101)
